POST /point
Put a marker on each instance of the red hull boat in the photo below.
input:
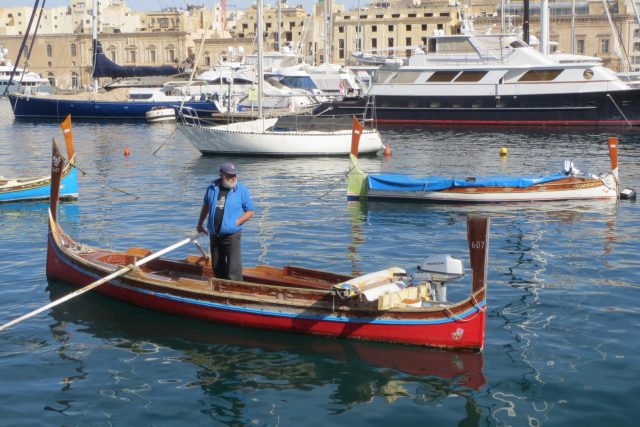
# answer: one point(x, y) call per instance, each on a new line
point(383, 306)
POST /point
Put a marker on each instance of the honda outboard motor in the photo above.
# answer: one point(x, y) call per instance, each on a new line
point(439, 270)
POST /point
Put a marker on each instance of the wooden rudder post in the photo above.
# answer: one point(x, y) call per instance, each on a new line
point(478, 237)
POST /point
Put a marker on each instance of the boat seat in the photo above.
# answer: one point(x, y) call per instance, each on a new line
point(139, 252)
point(276, 276)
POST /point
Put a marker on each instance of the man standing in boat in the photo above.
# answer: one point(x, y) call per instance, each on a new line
point(228, 205)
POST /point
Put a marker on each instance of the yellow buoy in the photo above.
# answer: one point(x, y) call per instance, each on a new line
point(503, 152)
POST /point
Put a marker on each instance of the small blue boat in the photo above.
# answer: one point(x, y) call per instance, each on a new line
point(39, 188)
point(26, 189)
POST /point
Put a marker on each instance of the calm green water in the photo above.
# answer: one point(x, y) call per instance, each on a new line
point(563, 318)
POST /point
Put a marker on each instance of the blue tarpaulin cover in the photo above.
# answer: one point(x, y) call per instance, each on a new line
point(401, 182)
point(104, 67)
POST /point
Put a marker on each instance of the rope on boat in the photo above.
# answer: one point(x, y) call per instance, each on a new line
point(342, 178)
point(459, 319)
point(80, 248)
point(619, 110)
point(170, 138)
point(106, 183)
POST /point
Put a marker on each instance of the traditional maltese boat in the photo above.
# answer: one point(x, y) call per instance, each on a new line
point(387, 306)
point(569, 184)
point(39, 188)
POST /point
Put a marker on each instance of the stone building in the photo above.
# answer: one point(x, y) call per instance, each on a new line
point(62, 50)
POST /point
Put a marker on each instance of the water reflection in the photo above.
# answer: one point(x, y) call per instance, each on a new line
point(227, 360)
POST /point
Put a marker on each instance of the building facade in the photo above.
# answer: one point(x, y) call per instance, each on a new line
point(62, 48)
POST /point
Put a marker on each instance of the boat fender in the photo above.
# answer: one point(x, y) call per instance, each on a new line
point(628, 194)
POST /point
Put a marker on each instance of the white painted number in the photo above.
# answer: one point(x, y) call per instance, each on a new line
point(477, 245)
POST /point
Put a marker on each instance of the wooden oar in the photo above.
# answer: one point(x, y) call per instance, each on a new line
point(101, 281)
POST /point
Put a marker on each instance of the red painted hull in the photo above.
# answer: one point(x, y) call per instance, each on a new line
point(460, 327)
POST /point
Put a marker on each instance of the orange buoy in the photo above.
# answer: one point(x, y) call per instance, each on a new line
point(126, 151)
point(387, 150)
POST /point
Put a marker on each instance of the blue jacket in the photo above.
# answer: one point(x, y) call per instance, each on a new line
point(238, 202)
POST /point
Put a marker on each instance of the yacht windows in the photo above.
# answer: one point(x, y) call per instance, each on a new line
point(540, 75)
point(476, 104)
point(435, 104)
point(442, 76)
point(383, 76)
point(588, 74)
point(140, 95)
point(471, 76)
point(405, 77)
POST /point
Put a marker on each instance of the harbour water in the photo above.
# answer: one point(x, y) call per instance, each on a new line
point(563, 302)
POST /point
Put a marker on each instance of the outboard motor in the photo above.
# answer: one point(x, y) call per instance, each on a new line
point(439, 270)
point(569, 169)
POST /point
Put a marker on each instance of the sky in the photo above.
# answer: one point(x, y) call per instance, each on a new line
point(156, 5)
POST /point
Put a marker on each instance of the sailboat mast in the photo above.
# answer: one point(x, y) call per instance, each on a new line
point(544, 28)
point(279, 32)
point(327, 45)
point(94, 36)
point(260, 73)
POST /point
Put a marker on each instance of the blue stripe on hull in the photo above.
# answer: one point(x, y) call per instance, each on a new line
point(40, 107)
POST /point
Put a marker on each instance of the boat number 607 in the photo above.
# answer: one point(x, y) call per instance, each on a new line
point(477, 244)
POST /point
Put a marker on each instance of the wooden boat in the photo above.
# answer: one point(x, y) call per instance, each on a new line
point(39, 188)
point(382, 306)
point(570, 184)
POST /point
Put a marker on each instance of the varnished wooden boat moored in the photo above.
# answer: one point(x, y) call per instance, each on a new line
point(289, 299)
point(39, 188)
point(570, 184)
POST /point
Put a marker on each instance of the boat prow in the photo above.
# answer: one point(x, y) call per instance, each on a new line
point(39, 188)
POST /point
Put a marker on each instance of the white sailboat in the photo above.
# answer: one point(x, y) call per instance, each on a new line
point(293, 135)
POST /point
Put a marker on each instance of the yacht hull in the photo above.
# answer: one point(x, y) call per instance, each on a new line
point(617, 108)
point(56, 108)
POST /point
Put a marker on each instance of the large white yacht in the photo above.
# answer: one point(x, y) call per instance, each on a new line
point(23, 81)
point(492, 79)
